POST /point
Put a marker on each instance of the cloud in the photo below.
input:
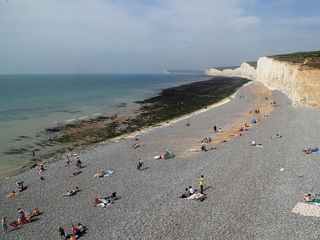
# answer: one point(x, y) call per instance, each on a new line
point(301, 21)
point(126, 35)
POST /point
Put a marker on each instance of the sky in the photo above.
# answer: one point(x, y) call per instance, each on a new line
point(149, 36)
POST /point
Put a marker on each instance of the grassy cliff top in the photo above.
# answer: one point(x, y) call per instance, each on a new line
point(311, 59)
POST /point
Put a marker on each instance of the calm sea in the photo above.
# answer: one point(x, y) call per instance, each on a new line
point(30, 103)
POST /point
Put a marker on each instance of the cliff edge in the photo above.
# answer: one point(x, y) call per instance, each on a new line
point(297, 75)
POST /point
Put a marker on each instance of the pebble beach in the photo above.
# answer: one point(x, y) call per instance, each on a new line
point(248, 196)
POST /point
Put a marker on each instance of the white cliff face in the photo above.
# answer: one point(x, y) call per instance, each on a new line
point(299, 82)
point(245, 70)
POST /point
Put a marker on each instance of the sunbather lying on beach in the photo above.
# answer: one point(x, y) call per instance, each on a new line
point(103, 173)
point(310, 150)
point(72, 192)
point(25, 216)
point(185, 194)
point(77, 231)
point(206, 140)
point(105, 201)
point(310, 197)
point(254, 144)
point(74, 174)
point(197, 196)
point(12, 194)
point(137, 145)
point(275, 136)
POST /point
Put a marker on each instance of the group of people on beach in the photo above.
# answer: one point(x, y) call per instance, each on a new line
point(215, 129)
point(76, 232)
point(191, 193)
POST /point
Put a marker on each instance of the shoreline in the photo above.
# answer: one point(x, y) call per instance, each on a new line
point(64, 148)
point(177, 119)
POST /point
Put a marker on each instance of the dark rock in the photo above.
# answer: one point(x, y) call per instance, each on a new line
point(54, 129)
point(122, 105)
point(24, 137)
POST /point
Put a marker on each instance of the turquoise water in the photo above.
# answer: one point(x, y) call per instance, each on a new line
point(30, 103)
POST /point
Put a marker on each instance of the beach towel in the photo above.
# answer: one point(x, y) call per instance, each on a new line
point(257, 145)
point(103, 205)
point(232, 135)
point(194, 150)
point(306, 209)
point(74, 174)
point(253, 121)
point(15, 224)
point(105, 174)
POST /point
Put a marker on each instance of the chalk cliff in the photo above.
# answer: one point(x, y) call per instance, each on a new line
point(245, 70)
point(299, 81)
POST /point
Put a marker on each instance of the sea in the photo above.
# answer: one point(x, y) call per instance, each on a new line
point(31, 103)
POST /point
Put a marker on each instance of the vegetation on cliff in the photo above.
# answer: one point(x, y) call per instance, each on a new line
point(311, 59)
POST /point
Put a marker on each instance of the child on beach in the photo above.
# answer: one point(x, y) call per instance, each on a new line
point(4, 225)
point(67, 160)
point(19, 184)
point(78, 163)
point(191, 190)
point(140, 164)
point(62, 233)
point(185, 194)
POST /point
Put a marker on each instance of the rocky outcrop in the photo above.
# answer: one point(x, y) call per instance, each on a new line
point(300, 82)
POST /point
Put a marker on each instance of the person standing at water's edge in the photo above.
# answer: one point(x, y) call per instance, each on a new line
point(201, 182)
point(215, 128)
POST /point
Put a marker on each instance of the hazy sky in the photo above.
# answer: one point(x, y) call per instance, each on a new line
point(148, 36)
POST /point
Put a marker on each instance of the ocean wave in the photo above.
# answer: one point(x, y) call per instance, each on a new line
point(71, 120)
point(83, 117)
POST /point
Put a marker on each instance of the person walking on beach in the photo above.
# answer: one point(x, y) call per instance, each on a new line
point(215, 128)
point(67, 160)
point(201, 182)
point(4, 225)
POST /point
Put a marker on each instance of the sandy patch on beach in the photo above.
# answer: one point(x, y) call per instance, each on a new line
point(263, 97)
